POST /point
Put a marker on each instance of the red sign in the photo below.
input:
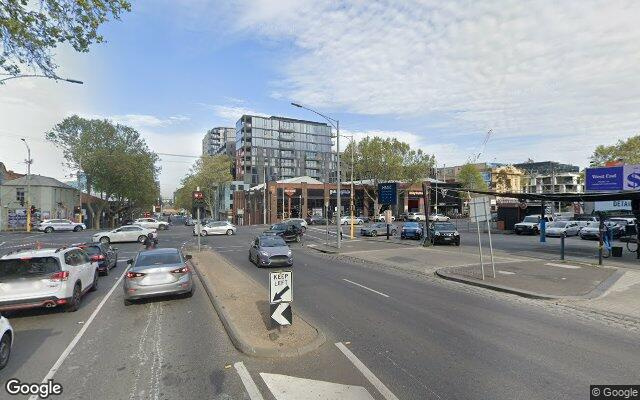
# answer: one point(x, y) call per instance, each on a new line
point(289, 192)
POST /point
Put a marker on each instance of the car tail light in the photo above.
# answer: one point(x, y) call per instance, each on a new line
point(59, 276)
point(99, 257)
point(132, 275)
point(182, 270)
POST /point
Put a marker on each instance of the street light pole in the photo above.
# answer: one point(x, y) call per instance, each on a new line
point(336, 124)
point(29, 161)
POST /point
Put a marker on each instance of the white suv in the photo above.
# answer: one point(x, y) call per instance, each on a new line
point(46, 278)
point(151, 223)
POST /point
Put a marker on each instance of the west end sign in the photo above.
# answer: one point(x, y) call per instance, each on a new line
point(624, 177)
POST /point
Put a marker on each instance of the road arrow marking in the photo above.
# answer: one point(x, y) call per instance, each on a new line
point(281, 313)
point(285, 387)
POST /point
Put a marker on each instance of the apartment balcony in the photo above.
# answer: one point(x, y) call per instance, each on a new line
point(287, 136)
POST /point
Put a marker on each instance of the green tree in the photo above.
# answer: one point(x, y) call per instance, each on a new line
point(30, 30)
point(211, 174)
point(628, 150)
point(471, 178)
point(381, 160)
point(115, 159)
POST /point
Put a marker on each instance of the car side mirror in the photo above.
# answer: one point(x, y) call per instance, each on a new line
point(114, 248)
point(130, 261)
point(188, 256)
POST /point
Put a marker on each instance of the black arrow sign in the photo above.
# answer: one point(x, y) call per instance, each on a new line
point(281, 293)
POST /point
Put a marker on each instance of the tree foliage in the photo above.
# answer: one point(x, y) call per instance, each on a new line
point(628, 150)
point(471, 178)
point(115, 159)
point(30, 30)
point(381, 160)
point(210, 173)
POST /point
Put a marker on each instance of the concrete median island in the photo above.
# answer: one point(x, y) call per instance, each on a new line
point(242, 305)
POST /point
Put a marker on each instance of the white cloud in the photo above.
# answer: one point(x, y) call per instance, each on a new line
point(525, 69)
point(143, 120)
point(231, 114)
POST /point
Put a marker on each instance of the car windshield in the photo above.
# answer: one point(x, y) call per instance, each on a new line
point(280, 227)
point(593, 224)
point(444, 226)
point(157, 258)
point(531, 219)
point(92, 250)
point(412, 225)
point(557, 224)
point(18, 268)
point(274, 241)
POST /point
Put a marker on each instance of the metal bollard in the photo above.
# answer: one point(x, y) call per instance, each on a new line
point(562, 247)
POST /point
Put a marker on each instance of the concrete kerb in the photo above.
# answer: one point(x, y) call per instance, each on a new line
point(598, 291)
point(240, 341)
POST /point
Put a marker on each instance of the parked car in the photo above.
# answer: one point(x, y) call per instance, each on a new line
point(189, 221)
point(416, 216)
point(438, 218)
point(590, 231)
point(346, 220)
point(129, 233)
point(299, 221)
point(317, 220)
point(403, 216)
point(583, 220)
point(290, 233)
point(52, 225)
point(101, 253)
point(444, 232)
point(216, 228)
point(6, 341)
point(151, 223)
point(411, 230)
point(46, 278)
point(270, 251)
point(627, 224)
point(378, 228)
point(158, 272)
point(381, 218)
point(530, 225)
point(562, 228)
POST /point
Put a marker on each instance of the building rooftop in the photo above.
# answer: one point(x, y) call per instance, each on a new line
point(38, 180)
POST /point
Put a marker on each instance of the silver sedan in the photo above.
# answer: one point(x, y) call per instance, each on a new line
point(158, 272)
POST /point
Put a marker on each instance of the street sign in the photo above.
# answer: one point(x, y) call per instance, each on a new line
point(280, 287)
point(387, 193)
point(479, 209)
point(290, 192)
point(281, 313)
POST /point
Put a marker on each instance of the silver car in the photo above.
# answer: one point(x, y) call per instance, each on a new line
point(51, 225)
point(158, 272)
point(216, 228)
point(563, 228)
point(270, 251)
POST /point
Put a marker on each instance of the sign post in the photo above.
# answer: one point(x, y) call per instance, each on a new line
point(480, 211)
point(197, 198)
point(280, 297)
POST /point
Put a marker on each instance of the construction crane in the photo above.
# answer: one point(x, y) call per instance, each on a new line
point(475, 157)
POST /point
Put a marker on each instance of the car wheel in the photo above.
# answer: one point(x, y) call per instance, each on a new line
point(141, 238)
point(48, 229)
point(77, 228)
point(105, 240)
point(74, 304)
point(94, 285)
point(374, 233)
point(189, 294)
point(393, 232)
point(297, 239)
point(127, 303)
point(5, 349)
point(517, 232)
point(106, 271)
point(360, 222)
point(204, 233)
point(229, 232)
point(457, 243)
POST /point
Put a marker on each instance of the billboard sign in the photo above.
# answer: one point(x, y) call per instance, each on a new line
point(387, 193)
point(612, 205)
point(622, 177)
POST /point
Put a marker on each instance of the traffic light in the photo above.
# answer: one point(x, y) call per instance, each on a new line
point(33, 209)
point(77, 210)
point(198, 198)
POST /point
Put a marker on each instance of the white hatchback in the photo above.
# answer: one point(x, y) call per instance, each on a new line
point(6, 341)
point(46, 278)
point(151, 223)
point(216, 228)
point(127, 233)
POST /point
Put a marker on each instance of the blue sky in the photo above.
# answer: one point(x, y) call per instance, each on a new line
point(551, 80)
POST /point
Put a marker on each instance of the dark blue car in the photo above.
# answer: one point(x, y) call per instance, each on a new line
point(411, 230)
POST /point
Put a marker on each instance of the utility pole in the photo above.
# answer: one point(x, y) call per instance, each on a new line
point(353, 206)
point(29, 161)
point(264, 194)
point(339, 187)
point(436, 173)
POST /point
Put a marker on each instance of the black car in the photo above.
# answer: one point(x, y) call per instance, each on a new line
point(411, 230)
point(290, 233)
point(102, 253)
point(445, 233)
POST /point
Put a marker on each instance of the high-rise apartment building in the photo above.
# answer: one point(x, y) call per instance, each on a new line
point(282, 148)
point(215, 140)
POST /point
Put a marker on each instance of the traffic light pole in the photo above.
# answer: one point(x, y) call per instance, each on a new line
point(28, 186)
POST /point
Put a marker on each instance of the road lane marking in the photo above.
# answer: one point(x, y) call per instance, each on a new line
point(506, 272)
point(78, 336)
point(364, 287)
point(285, 387)
point(377, 383)
point(567, 266)
point(247, 381)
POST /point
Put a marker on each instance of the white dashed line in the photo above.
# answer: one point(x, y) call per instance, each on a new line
point(247, 381)
point(377, 383)
point(364, 287)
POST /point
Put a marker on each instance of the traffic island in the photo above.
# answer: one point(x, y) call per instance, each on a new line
point(550, 280)
point(243, 307)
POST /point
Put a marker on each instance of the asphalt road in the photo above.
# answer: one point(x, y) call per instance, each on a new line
point(420, 338)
